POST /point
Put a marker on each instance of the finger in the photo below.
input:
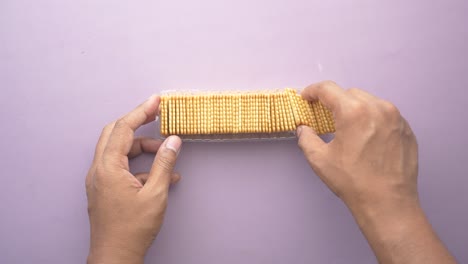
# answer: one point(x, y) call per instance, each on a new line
point(175, 178)
point(313, 147)
point(121, 139)
point(103, 138)
point(309, 142)
point(143, 114)
point(328, 92)
point(100, 146)
point(163, 165)
point(143, 177)
point(144, 145)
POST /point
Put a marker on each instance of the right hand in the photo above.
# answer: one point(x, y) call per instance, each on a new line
point(372, 162)
point(372, 165)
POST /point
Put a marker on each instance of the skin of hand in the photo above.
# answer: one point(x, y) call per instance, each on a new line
point(125, 210)
point(372, 165)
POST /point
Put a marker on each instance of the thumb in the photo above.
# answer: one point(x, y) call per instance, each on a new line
point(163, 166)
point(309, 142)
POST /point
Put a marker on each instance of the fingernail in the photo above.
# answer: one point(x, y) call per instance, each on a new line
point(150, 103)
point(298, 131)
point(158, 112)
point(173, 143)
point(151, 98)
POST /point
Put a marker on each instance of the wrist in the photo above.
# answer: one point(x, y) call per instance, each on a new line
point(112, 255)
point(398, 231)
point(388, 209)
point(386, 214)
point(378, 203)
point(388, 222)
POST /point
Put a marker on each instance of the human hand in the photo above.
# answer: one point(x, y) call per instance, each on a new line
point(372, 165)
point(374, 155)
point(125, 210)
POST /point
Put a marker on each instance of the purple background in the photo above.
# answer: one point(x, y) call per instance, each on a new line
point(69, 67)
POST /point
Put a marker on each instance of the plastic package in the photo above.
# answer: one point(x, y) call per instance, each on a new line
point(232, 116)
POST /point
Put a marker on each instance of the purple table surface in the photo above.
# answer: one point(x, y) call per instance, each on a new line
point(69, 67)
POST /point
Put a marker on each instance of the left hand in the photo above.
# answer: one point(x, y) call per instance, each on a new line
point(125, 210)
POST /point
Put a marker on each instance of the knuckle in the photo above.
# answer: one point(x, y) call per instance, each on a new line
point(121, 122)
point(108, 128)
point(99, 175)
point(356, 108)
point(165, 161)
point(407, 131)
point(355, 90)
point(99, 170)
point(328, 83)
point(389, 108)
